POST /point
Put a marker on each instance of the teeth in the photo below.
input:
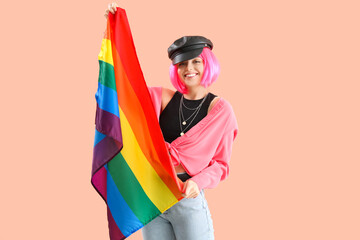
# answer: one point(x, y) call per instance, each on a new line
point(191, 75)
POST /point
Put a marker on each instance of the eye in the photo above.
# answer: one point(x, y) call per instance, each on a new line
point(182, 64)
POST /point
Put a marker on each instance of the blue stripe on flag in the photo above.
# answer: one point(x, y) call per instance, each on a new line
point(107, 99)
point(98, 137)
point(121, 212)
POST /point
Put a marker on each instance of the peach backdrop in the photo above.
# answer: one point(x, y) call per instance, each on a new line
point(289, 68)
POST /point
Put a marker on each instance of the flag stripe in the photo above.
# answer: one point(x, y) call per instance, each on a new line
point(150, 181)
point(125, 219)
point(105, 150)
point(105, 52)
point(107, 99)
point(114, 231)
point(108, 123)
point(106, 74)
point(98, 137)
point(99, 182)
point(107, 33)
point(131, 190)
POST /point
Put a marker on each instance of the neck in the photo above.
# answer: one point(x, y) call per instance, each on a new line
point(196, 93)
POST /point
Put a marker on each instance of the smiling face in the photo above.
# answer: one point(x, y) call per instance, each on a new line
point(191, 71)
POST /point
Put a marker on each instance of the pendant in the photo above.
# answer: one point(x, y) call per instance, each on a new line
point(181, 133)
point(184, 122)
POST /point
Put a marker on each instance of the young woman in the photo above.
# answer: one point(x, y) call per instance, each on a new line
point(199, 129)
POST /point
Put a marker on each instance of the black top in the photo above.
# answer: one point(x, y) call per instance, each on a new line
point(169, 117)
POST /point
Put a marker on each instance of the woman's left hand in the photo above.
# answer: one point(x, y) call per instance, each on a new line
point(190, 189)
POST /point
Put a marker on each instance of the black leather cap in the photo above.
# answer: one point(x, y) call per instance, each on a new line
point(187, 47)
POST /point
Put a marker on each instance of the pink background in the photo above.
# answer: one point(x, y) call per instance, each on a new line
point(290, 69)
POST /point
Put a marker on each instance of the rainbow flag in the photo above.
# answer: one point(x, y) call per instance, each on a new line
point(131, 167)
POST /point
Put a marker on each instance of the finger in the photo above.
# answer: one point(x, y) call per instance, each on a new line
point(195, 195)
point(188, 191)
point(110, 8)
point(184, 187)
point(189, 188)
point(113, 6)
point(189, 196)
point(192, 195)
point(185, 196)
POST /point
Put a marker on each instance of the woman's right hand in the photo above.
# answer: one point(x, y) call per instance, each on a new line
point(111, 8)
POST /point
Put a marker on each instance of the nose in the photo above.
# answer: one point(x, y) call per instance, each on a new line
point(189, 66)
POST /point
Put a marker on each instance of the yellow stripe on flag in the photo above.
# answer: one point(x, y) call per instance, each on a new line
point(106, 52)
point(148, 178)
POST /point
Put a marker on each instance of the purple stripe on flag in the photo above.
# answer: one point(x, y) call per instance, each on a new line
point(99, 182)
point(108, 124)
point(114, 230)
point(104, 151)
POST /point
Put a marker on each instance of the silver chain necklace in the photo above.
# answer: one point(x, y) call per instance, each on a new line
point(182, 119)
point(191, 109)
point(182, 113)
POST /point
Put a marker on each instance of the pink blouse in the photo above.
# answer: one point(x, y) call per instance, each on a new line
point(204, 151)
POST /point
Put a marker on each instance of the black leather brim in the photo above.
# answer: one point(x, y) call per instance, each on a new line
point(187, 56)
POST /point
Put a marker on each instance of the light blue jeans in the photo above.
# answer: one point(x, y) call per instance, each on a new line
point(189, 219)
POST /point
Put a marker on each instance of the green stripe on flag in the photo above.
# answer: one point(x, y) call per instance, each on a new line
point(107, 75)
point(131, 190)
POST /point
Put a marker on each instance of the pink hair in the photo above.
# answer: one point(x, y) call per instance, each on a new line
point(211, 71)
